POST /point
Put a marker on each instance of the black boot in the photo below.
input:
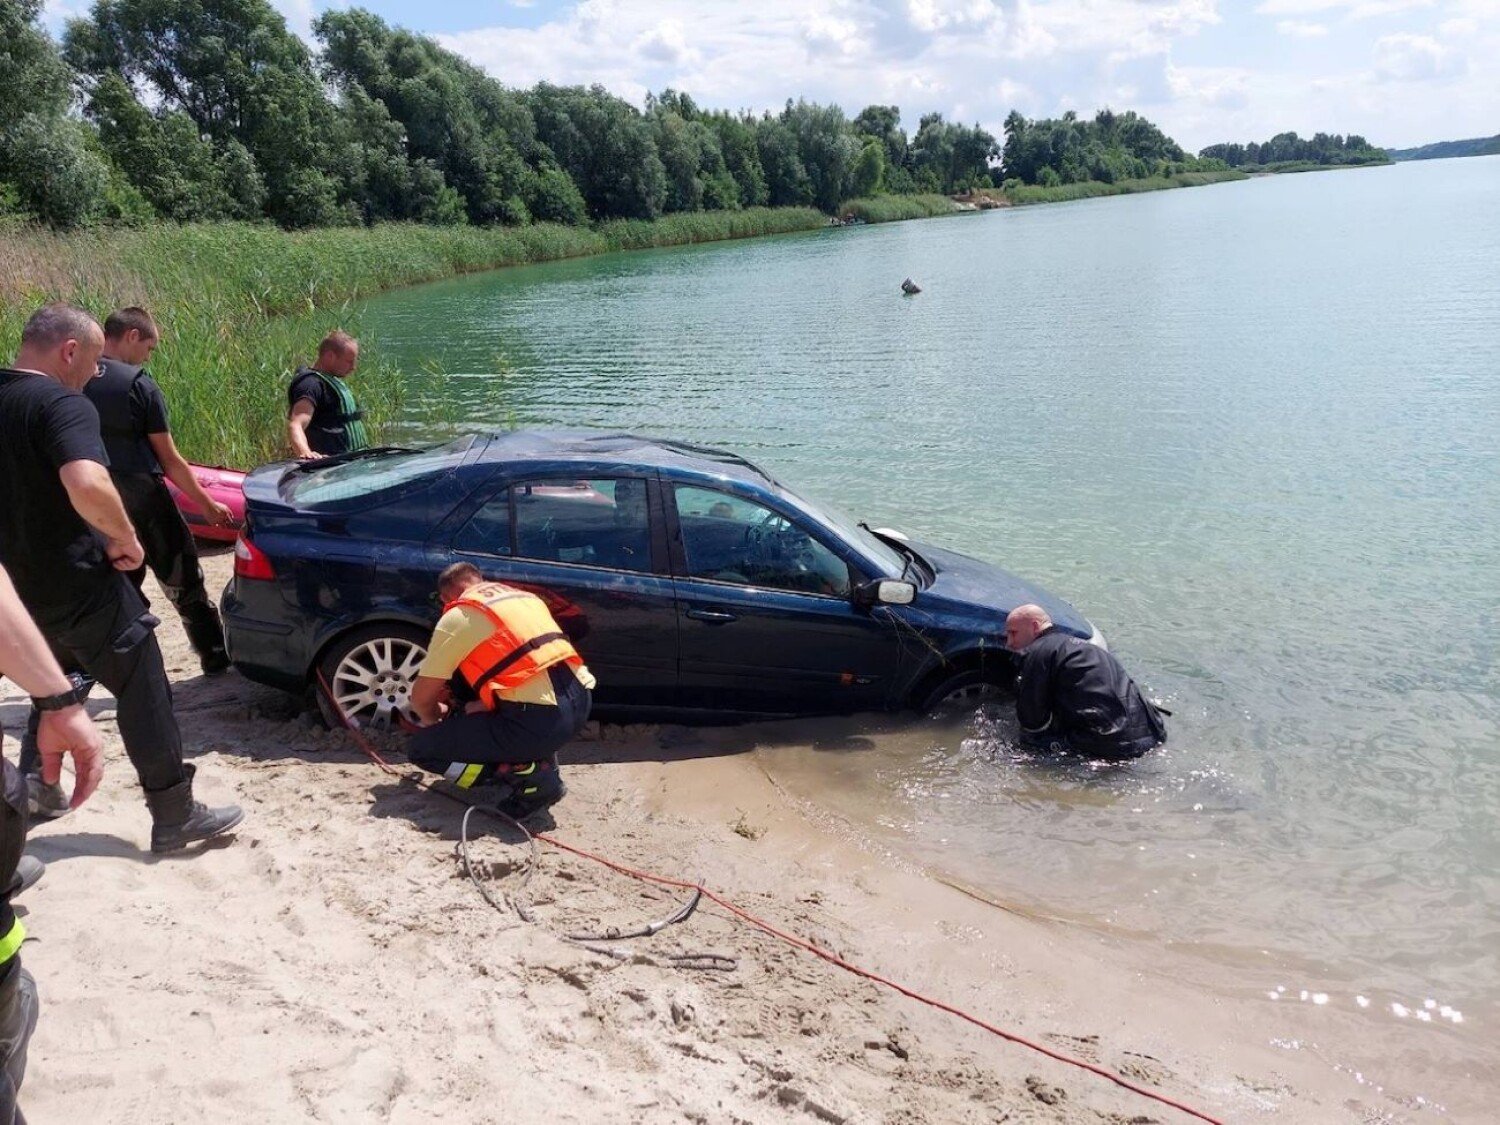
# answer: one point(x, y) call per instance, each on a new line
point(177, 820)
point(532, 787)
point(29, 871)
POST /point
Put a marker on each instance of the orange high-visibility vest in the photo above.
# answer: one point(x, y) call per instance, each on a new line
point(526, 640)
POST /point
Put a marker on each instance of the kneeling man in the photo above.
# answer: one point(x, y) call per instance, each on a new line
point(1074, 695)
point(501, 691)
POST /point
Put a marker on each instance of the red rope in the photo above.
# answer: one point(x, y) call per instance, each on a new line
point(800, 943)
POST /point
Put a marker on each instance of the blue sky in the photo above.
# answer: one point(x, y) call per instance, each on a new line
point(1402, 72)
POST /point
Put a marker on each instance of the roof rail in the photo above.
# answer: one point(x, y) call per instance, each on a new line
point(713, 454)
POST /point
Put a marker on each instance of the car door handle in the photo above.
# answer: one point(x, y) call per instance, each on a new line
point(712, 616)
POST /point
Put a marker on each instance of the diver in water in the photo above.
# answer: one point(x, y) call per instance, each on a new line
point(1073, 695)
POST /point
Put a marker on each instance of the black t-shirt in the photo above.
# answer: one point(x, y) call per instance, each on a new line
point(328, 432)
point(1076, 692)
point(131, 407)
point(55, 558)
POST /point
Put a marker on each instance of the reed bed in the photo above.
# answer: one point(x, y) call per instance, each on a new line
point(897, 208)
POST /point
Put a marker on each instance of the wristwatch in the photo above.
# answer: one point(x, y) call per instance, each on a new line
point(62, 700)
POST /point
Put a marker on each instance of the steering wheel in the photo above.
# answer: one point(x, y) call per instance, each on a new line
point(759, 537)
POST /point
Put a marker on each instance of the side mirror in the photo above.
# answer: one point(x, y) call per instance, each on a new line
point(885, 591)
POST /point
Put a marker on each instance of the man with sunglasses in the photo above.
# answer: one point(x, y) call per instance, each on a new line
point(65, 538)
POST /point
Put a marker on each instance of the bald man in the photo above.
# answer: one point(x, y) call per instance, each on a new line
point(68, 543)
point(1074, 695)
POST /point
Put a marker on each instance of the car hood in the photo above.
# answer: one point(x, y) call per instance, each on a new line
point(968, 584)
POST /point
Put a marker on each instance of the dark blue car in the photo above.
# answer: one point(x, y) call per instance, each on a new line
point(694, 585)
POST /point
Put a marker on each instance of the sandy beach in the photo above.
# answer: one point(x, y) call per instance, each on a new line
point(332, 963)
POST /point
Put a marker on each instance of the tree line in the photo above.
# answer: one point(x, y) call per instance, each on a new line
point(1110, 148)
point(210, 110)
point(203, 110)
point(1328, 149)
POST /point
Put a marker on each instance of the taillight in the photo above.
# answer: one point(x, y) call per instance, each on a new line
point(251, 562)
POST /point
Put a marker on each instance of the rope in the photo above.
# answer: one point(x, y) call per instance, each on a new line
point(791, 939)
point(717, 962)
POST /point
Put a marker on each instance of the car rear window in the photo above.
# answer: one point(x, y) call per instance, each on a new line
point(312, 486)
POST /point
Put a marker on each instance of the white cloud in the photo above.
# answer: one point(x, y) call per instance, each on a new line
point(1416, 58)
point(1220, 88)
point(1462, 28)
point(665, 43)
point(1350, 9)
point(1300, 29)
point(979, 59)
point(935, 15)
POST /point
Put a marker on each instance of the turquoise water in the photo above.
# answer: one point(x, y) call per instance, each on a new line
point(1251, 430)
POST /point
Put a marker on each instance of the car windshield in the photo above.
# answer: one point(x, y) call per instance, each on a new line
point(892, 561)
point(312, 485)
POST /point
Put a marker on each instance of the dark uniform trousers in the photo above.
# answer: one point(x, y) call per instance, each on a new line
point(18, 1002)
point(112, 640)
point(172, 556)
point(512, 734)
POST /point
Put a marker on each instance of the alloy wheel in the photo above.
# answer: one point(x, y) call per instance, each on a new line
point(970, 695)
point(372, 683)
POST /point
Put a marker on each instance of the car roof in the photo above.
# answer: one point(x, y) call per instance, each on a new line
point(544, 447)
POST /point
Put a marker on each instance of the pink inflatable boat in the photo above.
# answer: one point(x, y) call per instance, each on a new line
point(227, 486)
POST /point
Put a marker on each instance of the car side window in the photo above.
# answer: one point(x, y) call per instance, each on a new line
point(488, 531)
point(601, 522)
point(727, 538)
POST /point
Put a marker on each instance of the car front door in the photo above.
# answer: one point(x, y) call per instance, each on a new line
point(595, 550)
point(767, 624)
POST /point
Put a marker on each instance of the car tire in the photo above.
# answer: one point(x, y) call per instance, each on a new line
point(370, 671)
point(966, 689)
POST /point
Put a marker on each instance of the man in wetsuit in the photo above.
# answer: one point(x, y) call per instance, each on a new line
point(138, 439)
point(65, 729)
point(501, 690)
point(1073, 695)
point(65, 538)
point(323, 419)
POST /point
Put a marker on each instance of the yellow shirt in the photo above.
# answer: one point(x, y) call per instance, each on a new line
point(463, 629)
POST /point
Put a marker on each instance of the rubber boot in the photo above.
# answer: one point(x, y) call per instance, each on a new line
point(177, 820)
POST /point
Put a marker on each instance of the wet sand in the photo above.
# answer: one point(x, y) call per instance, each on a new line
point(332, 963)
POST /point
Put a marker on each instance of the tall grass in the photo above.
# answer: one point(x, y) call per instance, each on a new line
point(708, 226)
point(1090, 189)
point(896, 208)
point(240, 306)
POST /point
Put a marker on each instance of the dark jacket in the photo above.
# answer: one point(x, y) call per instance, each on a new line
point(124, 395)
point(1077, 694)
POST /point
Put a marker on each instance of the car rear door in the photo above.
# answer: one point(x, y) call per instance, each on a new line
point(595, 549)
point(766, 621)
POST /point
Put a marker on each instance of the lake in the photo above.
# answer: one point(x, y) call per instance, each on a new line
point(1251, 430)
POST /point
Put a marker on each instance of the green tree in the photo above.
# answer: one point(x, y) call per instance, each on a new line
point(50, 165)
point(164, 157)
point(826, 148)
point(59, 176)
point(786, 179)
point(236, 71)
point(606, 146)
point(478, 134)
point(868, 176)
point(883, 122)
point(552, 197)
point(737, 142)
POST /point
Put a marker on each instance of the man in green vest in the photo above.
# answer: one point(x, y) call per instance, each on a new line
point(323, 420)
